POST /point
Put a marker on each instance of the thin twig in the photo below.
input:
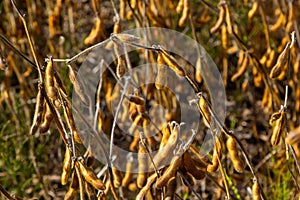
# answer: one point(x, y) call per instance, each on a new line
point(222, 169)
point(10, 45)
point(30, 41)
point(115, 118)
point(7, 195)
point(142, 140)
point(189, 185)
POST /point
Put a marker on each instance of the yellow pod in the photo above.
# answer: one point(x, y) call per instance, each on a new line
point(66, 167)
point(233, 154)
point(123, 9)
point(242, 69)
point(169, 173)
point(95, 34)
point(279, 23)
point(253, 9)
point(89, 176)
point(71, 194)
point(146, 188)
point(136, 99)
point(205, 112)
point(164, 152)
point(121, 63)
point(73, 126)
point(73, 189)
point(172, 63)
point(47, 118)
point(224, 37)
point(219, 21)
point(49, 81)
point(179, 6)
point(143, 165)
point(216, 153)
point(256, 191)
point(271, 58)
point(198, 76)
point(38, 113)
point(117, 176)
point(281, 62)
point(185, 13)
point(78, 85)
point(128, 173)
point(228, 20)
point(277, 122)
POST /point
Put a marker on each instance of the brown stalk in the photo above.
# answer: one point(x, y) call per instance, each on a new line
point(231, 133)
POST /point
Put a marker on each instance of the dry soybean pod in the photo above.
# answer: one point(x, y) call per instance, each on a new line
point(47, 118)
point(117, 176)
point(121, 63)
point(164, 153)
point(72, 124)
point(96, 33)
point(171, 62)
point(49, 81)
point(143, 163)
point(233, 154)
point(73, 189)
point(256, 191)
point(199, 160)
point(136, 99)
point(162, 75)
point(227, 18)
point(89, 176)
point(179, 6)
point(277, 122)
point(291, 17)
point(242, 69)
point(90, 158)
point(216, 153)
point(271, 58)
point(78, 85)
point(165, 137)
point(204, 110)
point(185, 13)
point(66, 167)
point(198, 76)
point(253, 9)
point(279, 23)
point(39, 106)
point(297, 104)
point(281, 62)
point(127, 38)
point(146, 188)
point(123, 9)
point(129, 169)
point(190, 166)
point(169, 173)
point(220, 19)
point(224, 37)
